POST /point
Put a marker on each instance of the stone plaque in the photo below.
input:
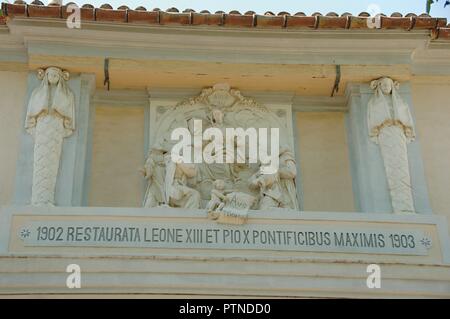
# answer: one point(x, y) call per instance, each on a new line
point(190, 235)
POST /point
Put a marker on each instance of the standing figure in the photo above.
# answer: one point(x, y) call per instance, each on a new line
point(154, 172)
point(278, 190)
point(50, 118)
point(391, 127)
point(288, 173)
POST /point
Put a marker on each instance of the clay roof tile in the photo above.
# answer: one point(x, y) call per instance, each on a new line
point(396, 15)
point(106, 6)
point(438, 27)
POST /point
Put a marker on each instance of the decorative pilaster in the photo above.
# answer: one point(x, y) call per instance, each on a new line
point(54, 144)
point(375, 171)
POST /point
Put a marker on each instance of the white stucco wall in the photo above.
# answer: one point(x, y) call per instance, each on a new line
point(118, 153)
point(432, 111)
point(12, 99)
point(324, 162)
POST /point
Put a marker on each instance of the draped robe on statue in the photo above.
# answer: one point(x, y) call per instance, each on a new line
point(50, 117)
point(391, 127)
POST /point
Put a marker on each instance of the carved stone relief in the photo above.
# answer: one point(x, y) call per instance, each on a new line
point(391, 127)
point(50, 118)
point(219, 186)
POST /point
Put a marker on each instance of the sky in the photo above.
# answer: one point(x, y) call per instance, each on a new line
point(292, 6)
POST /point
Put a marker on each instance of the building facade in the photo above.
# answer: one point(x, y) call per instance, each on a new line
point(358, 206)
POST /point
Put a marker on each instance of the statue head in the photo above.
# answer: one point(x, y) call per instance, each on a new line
point(385, 84)
point(219, 184)
point(53, 75)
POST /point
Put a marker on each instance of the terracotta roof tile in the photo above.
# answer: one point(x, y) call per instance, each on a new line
point(106, 6)
point(441, 34)
point(143, 16)
point(270, 21)
point(86, 12)
point(236, 20)
point(298, 21)
point(399, 23)
point(173, 10)
point(207, 19)
point(332, 22)
point(250, 19)
point(168, 18)
point(110, 15)
point(359, 22)
point(12, 10)
point(35, 10)
point(396, 15)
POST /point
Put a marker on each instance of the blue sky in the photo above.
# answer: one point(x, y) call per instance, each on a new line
point(292, 6)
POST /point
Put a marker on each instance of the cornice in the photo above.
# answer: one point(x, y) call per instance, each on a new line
point(52, 37)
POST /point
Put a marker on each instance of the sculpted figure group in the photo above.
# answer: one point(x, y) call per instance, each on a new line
point(214, 186)
point(175, 184)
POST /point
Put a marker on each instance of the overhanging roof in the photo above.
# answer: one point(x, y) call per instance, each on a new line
point(283, 20)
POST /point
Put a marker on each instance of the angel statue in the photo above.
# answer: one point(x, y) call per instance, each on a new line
point(391, 126)
point(50, 118)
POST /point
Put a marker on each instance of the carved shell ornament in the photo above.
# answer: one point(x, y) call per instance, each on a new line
point(236, 111)
point(221, 96)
